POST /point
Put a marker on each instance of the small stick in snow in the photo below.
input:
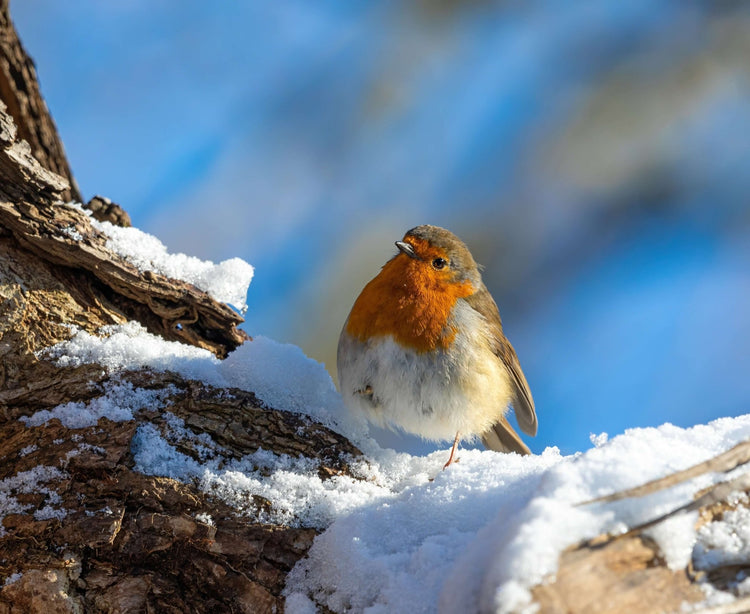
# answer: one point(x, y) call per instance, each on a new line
point(738, 606)
point(724, 462)
point(718, 492)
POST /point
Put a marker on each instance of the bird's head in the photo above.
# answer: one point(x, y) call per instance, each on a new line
point(437, 257)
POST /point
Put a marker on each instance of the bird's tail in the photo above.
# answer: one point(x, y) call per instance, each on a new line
point(502, 438)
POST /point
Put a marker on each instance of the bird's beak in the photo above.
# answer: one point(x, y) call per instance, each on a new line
point(406, 248)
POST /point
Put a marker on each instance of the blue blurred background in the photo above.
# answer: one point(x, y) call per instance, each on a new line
point(594, 155)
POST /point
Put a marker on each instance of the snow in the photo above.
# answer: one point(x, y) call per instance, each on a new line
point(13, 578)
point(130, 346)
point(399, 535)
point(204, 518)
point(25, 482)
point(279, 374)
point(397, 552)
point(298, 495)
point(71, 232)
point(48, 513)
point(725, 541)
point(28, 450)
point(118, 404)
point(227, 281)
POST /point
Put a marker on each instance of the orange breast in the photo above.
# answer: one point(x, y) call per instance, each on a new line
point(409, 302)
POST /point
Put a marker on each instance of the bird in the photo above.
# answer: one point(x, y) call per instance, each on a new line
point(423, 350)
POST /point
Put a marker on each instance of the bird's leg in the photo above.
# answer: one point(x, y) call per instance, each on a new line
point(453, 451)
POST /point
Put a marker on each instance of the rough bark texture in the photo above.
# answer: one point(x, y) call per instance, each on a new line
point(130, 542)
point(104, 210)
point(624, 575)
point(32, 217)
point(627, 572)
point(125, 542)
point(95, 535)
point(19, 89)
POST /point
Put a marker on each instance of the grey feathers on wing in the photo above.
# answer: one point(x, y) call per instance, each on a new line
point(523, 402)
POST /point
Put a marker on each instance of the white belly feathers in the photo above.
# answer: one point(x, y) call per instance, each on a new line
point(464, 390)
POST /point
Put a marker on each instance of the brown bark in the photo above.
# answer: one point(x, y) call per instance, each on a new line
point(62, 237)
point(618, 574)
point(133, 541)
point(19, 90)
point(127, 542)
point(104, 210)
point(617, 577)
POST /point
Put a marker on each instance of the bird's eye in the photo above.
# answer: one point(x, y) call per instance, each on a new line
point(439, 263)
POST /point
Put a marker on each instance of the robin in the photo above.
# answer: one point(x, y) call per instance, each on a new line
point(423, 349)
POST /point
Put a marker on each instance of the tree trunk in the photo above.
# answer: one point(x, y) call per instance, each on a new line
point(19, 90)
point(127, 542)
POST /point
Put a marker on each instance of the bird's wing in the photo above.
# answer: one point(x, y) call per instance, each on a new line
point(523, 402)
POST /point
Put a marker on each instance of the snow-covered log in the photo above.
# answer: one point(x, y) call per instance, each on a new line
point(81, 529)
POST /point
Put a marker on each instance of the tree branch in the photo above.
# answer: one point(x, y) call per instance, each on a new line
point(19, 90)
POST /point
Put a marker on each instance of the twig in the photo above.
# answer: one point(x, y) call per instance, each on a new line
point(724, 462)
point(738, 606)
point(718, 492)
